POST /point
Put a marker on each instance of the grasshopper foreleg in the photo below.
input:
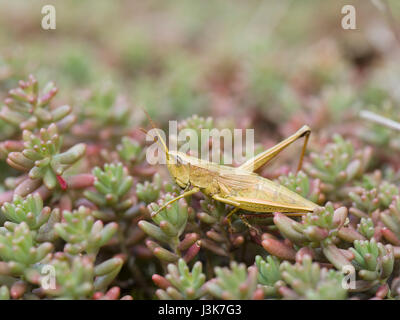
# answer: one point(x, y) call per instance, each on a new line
point(185, 194)
point(230, 202)
point(229, 218)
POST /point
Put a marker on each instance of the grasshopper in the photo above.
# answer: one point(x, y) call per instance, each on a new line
point(240, 186)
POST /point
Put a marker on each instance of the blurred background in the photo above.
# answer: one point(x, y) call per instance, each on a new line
point(273, 65)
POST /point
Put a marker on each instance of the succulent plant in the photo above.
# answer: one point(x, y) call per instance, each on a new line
point(395, 288)
point(307, 280)
point(373, 260)
point(29, 109)
point(373, 193)
point(322, 225)
point(29, 210)
point(149, 192)
point(74, 278)
point(4, 293)
point(167, 228)
point(105, 272)
point(212, 211)
point(43, 159)
point(216, 237)
point(106, 107)
point(338, 164)
point(111, 188)
point(82, 233)
point(8, 146)
point(318, 227)
point(366, 228)
point(391, 221)
point(130, 150)
point(77, 278)
point(111, 294)
point(324, 228)
point(269, 275)
point(180, 283)
point(19, 249)
point(235, 282)
point(301, 184)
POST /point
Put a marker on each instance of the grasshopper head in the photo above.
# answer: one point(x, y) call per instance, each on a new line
point(177, 162)
point(179, 168)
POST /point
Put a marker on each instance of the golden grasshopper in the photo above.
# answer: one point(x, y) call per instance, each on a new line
point(239, 187)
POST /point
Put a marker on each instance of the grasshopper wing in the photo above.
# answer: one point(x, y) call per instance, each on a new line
point(259, 194)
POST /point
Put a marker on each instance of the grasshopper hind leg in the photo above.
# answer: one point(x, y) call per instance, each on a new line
point(233, 211)
point(242, 217)
point(264, 157)
point(247, 223)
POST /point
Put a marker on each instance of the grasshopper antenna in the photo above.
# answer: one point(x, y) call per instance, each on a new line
point(147, 134)
point(160, 140)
